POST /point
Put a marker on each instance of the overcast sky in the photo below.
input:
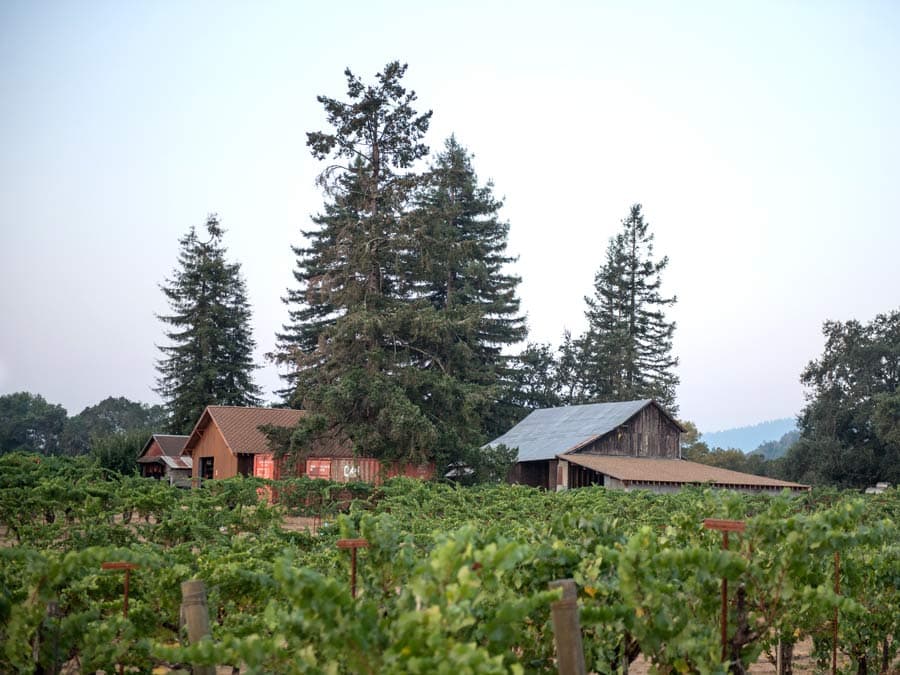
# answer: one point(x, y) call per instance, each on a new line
point(761, 138)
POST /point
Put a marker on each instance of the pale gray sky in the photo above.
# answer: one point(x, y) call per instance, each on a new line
point(761, 138)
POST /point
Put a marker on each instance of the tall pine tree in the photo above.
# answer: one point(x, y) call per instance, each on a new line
point(318, 272)
point(402, 307)
point(343, 346)
point(349, 262)
point(210, 358)
point(626, 352)
point(460, 247)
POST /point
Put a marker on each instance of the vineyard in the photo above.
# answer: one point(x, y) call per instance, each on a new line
point(454, 580)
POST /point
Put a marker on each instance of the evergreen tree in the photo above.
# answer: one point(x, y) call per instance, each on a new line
point(350, 258)
point(402, 309)
point(344, 347)
point(318, 272)
point(461, 245)
point(535, 382)
point(210, 360)
point(459, 253)
point(569, 372)
point(543, 378)
point(626, 352)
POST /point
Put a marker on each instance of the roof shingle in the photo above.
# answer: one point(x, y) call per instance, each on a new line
point(168, 444)
point(240, 426)
point(171, 445)
point(639, 470)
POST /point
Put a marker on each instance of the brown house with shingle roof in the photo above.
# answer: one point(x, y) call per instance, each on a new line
point(227, 441)
point(161, 458)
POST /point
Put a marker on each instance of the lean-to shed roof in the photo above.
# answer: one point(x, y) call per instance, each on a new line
point(637, 471)
point(183, 462)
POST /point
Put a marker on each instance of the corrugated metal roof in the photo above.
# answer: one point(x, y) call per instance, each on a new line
point(638, 470)
point(552, 431)
point(184, 462)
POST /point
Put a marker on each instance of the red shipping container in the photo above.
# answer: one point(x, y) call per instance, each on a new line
point(266, 466)
point(318, 468)
point(422, 471)
point(364, 470)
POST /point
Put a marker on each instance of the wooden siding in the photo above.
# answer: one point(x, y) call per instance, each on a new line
point(154, 450)
point(152, 469)
point(212, 444)
point(650, 433)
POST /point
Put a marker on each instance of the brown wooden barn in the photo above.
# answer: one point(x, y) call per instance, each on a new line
point(622, 445)
point(227, 441)
point(161, 458)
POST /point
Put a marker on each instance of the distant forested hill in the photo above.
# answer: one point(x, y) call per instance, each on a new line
point(750, 438)
point(776, 449)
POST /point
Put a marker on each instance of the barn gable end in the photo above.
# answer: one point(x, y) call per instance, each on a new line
point(650, 432)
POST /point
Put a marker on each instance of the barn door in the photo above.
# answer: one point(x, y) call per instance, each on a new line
point(206, 468)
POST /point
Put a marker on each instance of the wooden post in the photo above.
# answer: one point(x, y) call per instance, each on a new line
point(724, 601)
point(724, 526)
point(567, 629)
point(352, 544)
point(834, 627)
point(196, 617)
point(127, 566)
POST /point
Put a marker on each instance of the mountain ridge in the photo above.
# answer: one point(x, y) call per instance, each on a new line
point(751, 437)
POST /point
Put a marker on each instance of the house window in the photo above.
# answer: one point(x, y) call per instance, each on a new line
point(206, 468)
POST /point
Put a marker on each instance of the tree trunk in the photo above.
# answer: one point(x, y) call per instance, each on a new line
point(742, 634)
point(787, 658)
point(862, 665)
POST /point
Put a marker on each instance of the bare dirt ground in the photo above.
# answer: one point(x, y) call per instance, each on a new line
point(7, 538)
point(803, 663)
